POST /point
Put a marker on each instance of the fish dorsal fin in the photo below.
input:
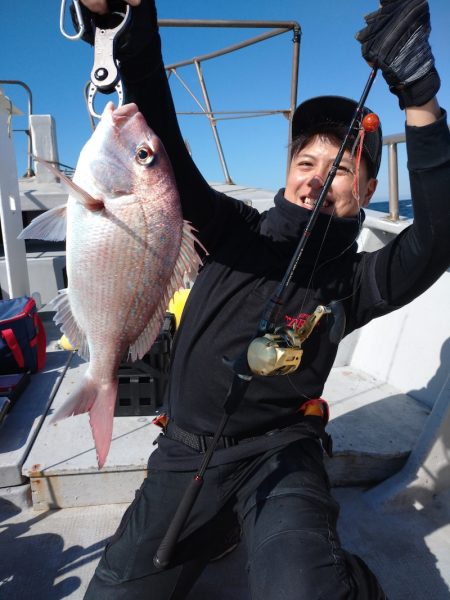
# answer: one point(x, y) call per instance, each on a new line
point(69, 326)
point(188, 261)
point(90, 203)
point(51, 226)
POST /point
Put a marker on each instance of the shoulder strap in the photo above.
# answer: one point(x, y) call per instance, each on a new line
point(41, 340)
point(13, 345)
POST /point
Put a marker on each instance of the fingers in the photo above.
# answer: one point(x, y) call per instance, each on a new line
point(101, 6)
point(96, 6)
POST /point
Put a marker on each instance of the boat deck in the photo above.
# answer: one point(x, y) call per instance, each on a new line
point(51, 555)
point(58, 461)
point(55, 466)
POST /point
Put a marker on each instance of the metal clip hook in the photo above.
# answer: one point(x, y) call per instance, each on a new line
point(92, 92)
point(105, 76)
point(79, 14)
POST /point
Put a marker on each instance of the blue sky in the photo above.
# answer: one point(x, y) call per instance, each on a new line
point(34, 51)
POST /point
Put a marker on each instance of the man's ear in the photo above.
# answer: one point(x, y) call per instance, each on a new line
point(369, 192)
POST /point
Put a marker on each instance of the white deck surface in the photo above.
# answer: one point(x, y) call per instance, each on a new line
point(52, 555)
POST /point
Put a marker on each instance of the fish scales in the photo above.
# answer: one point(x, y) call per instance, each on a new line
point(141, 269)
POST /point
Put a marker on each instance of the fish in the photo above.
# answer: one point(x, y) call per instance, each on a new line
point(128, 250)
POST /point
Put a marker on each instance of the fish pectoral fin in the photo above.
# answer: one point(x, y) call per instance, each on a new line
point(88, 201)
point(51, 226)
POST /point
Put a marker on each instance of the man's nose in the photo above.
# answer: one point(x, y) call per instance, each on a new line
point(317, 180)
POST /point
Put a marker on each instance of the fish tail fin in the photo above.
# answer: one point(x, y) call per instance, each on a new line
point(99, 399)
point(101, 415)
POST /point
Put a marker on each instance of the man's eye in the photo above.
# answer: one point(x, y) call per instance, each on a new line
point(344, 170)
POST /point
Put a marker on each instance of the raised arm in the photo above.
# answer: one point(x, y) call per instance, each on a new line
point(396, 40)
point(145, 83)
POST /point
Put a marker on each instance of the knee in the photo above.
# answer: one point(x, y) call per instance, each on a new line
point(298, 564)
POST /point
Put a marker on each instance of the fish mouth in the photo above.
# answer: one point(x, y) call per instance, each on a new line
point(126, 110)
point(123, 113)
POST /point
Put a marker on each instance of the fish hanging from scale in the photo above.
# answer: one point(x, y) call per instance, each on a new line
point(127, 252)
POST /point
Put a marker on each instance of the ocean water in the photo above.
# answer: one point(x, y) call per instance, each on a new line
point(405, 207)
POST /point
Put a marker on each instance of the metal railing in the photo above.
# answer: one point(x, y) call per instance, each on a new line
point(392, 141)
point(276, 28)
point(29, 172)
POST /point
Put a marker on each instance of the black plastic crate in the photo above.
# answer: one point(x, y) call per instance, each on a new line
point(142, 384)
point(11, 388)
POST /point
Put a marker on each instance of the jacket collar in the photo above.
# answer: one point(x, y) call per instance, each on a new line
point(331, 236)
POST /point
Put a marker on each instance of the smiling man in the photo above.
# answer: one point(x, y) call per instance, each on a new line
point(266, 482)
point(319, 127)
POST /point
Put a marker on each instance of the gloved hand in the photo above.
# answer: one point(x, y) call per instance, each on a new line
point(396, 41)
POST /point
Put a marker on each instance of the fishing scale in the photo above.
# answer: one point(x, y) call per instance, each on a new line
point(105, 75)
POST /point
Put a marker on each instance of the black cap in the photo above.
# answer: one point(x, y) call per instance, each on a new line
point(336, 109)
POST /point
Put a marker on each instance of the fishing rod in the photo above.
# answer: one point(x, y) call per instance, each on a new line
point(274, 304)
point(271, 352)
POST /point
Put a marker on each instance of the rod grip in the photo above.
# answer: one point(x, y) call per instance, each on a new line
point(167, 545)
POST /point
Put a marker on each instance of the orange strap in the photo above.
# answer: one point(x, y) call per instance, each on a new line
point(161, 420)
point(317, 407)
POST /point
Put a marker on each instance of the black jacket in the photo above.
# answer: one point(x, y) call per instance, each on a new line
point(249, 253)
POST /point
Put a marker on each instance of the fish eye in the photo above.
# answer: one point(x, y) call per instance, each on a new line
point(144, 155)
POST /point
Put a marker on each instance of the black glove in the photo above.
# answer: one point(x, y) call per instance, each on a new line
point(135, 37)
point(396, 41)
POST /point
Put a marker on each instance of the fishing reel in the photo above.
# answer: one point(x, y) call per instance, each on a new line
point(280, 353)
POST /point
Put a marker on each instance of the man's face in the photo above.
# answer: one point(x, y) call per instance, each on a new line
point(307, 174)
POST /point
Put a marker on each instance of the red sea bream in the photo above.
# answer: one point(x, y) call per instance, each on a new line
point(127, 250)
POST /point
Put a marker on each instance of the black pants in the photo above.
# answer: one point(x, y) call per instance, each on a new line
point(282, 504)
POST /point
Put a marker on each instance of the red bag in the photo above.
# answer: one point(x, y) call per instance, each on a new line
point(22, 336)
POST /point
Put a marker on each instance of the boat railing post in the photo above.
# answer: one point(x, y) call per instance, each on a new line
point(30, 172)
point(13, 271)
point(294, 84)
point(393, 181)
point(212, 122)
